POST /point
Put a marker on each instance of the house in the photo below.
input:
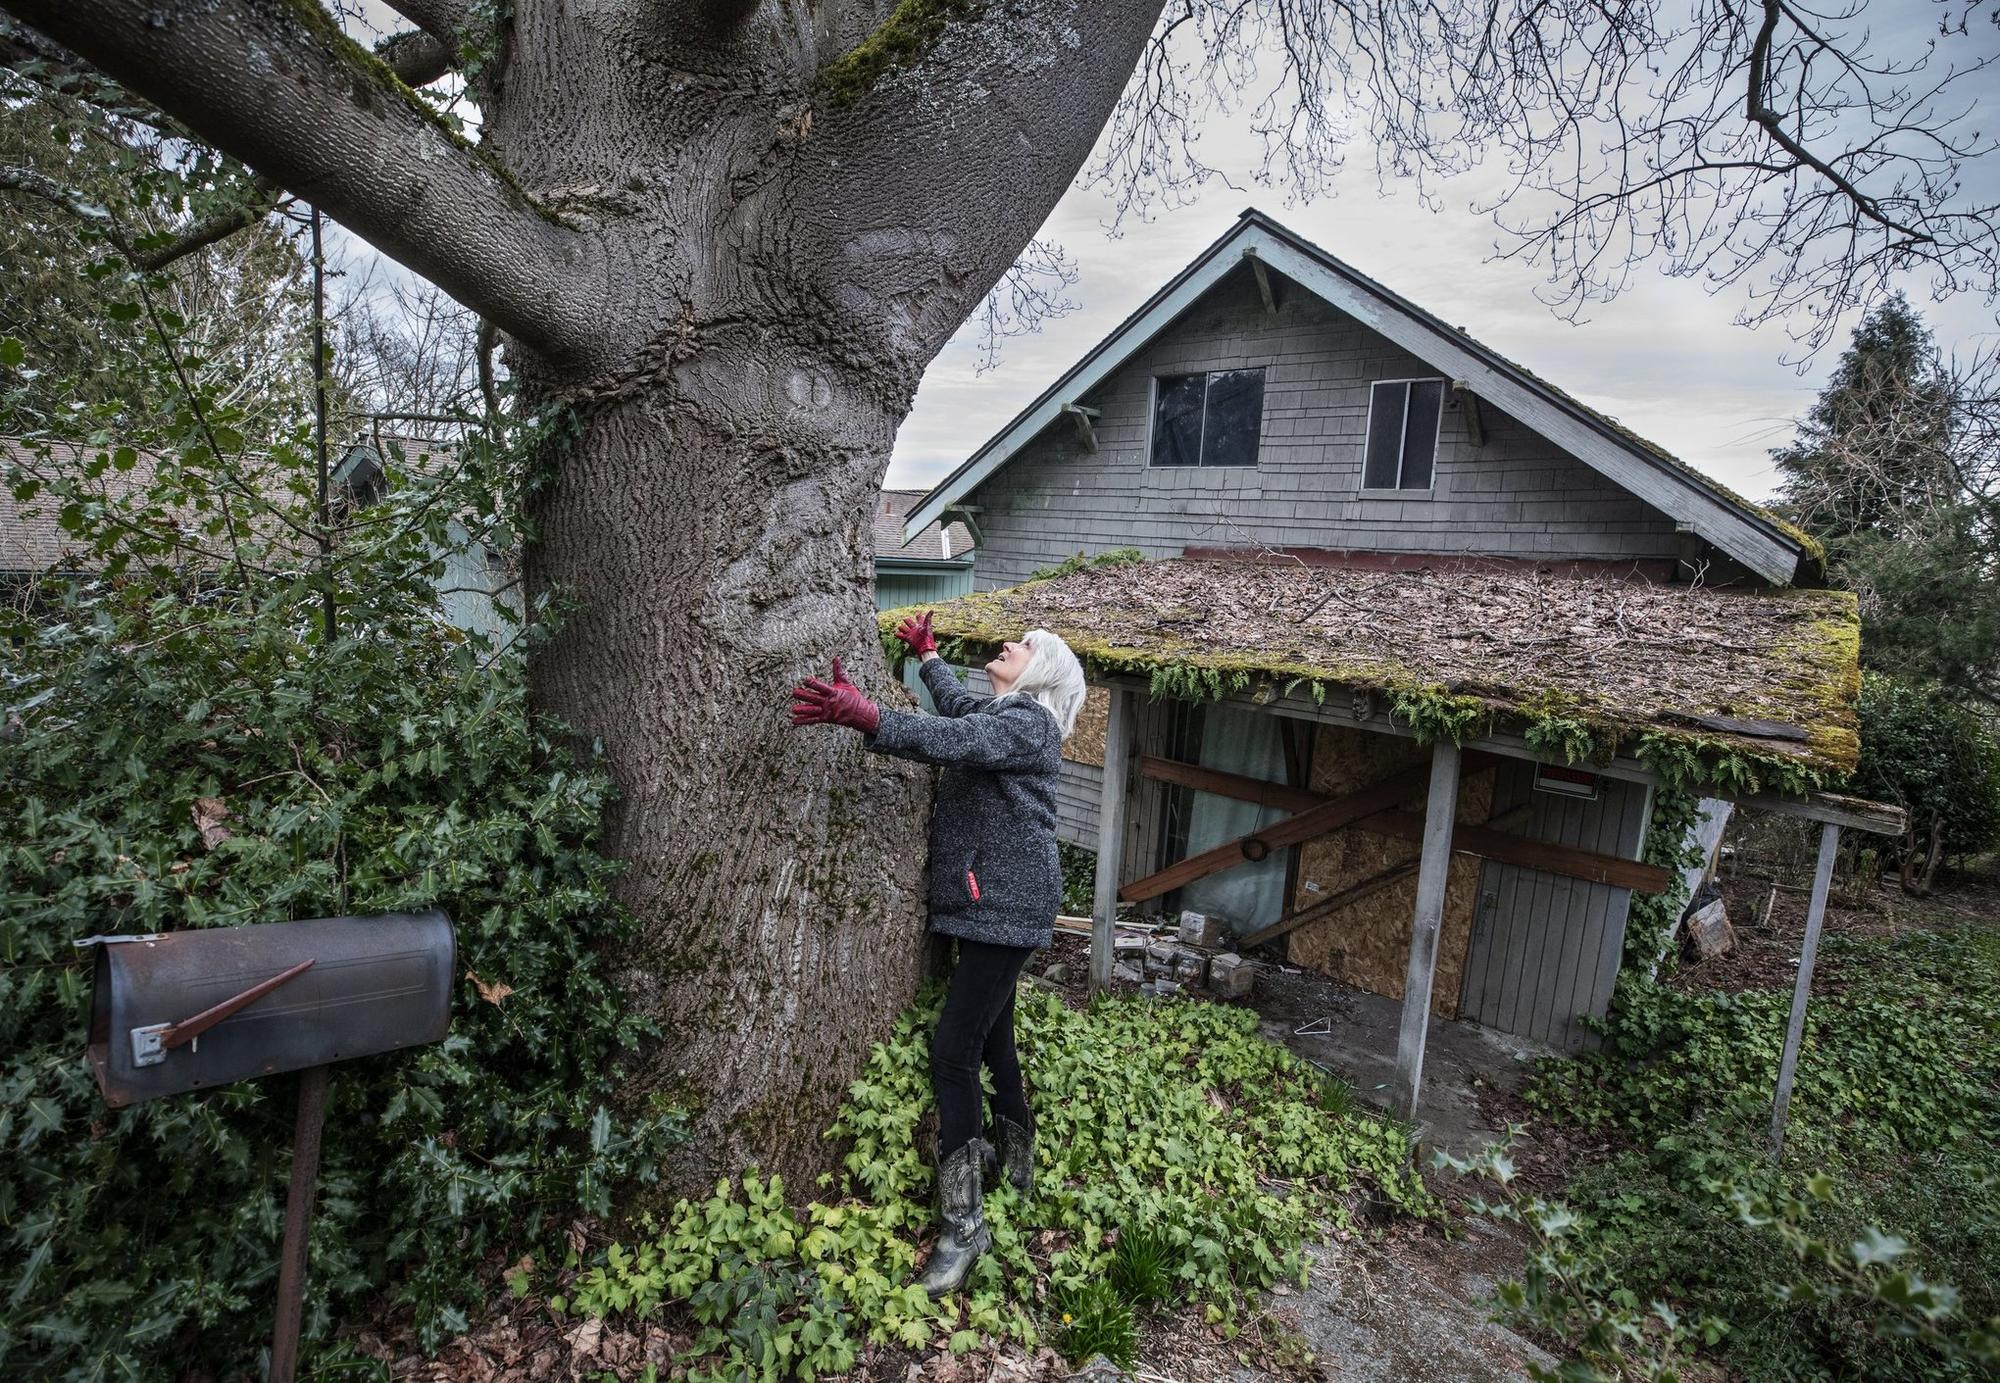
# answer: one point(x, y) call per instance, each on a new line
point(934, 563)
point(1413, 641)
point(33, 542)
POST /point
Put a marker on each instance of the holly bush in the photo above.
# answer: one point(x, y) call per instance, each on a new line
point(183, 746)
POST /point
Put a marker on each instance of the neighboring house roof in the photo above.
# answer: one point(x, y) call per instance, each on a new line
point(32, 538)
point(1769, 676)
point(935, 542)
point(1751, 535)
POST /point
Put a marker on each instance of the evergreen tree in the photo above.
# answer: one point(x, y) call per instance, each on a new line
point(1872, 456)
point(1888, 471)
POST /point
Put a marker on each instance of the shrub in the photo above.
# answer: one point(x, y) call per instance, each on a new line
point(1079, 878)
point(1893, 1118)
point(1934, 756)
point(396, 767)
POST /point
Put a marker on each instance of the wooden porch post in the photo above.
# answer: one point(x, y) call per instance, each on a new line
point(1111, 805)
point(1829, 845)
point(1433, 871)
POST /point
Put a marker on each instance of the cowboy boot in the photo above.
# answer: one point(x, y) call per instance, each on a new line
point(962, 1234)
point(1017, 1154)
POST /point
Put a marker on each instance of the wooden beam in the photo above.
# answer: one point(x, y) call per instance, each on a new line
point(1239, 786)
point(1316, 911)
point(1084, 431)
point(1475, 421)
point(1482, 841)
point(1795, 1030)
point(1854, 813)
point(968, 517)
point(1433, 872)
point(1489, 844)
point(1111, 804)
point(1265, 289)
point(1327, 816)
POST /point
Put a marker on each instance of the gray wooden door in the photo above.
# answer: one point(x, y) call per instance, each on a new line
point(1545, 948)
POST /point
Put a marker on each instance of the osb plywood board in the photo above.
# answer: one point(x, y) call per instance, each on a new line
point(1086, 743)
point(1367, 942)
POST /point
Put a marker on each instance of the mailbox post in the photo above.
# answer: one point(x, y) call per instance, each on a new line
point(176, 1012)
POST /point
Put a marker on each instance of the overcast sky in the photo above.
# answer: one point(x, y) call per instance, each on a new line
point(1666, 359)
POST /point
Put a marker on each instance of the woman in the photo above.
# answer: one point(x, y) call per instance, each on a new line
point(995, 885)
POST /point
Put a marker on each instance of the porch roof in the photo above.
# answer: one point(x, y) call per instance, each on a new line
point(1744, 690)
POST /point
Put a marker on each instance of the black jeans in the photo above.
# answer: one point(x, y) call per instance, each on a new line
point(977, 1026)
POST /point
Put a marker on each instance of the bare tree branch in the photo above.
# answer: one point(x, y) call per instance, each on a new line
point(266, 197)
point(325, 119)
point(1785, 146)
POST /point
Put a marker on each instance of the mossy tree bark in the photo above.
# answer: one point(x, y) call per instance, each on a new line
point(732, 235)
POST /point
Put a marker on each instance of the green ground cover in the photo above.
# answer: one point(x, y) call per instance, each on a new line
point(1180, 1157)
point(1834, 1262)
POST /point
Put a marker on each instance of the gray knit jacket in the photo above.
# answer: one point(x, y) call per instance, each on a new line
point(995, 875)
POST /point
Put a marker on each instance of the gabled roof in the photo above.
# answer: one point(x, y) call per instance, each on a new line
point(936, 542)
point(1751, 535)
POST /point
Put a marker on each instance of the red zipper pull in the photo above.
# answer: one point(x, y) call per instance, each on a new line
point(972, 882)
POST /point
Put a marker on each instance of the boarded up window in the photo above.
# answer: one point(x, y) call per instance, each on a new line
point(1211, 419)
point(1402, 434)
point(1085, 744)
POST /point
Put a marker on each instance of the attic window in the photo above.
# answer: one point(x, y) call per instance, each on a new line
point(1403, 419)
point(1210, 419)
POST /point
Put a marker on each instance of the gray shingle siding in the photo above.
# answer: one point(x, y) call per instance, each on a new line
point(1518, 495)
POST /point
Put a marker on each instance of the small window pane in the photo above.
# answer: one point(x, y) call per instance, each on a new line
point(1177, 420)
point(1420, 437)
point(1235, 413)
point(1385, 436)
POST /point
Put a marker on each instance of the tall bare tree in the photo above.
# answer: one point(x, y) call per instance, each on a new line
point(732, 234)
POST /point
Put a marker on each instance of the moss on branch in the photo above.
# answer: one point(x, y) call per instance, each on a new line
point(906, 35)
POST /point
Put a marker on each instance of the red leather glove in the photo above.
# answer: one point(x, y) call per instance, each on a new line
point(838, 702)
point(915, 632)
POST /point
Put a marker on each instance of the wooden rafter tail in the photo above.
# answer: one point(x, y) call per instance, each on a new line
point(1325, 907)
point(1327, 816)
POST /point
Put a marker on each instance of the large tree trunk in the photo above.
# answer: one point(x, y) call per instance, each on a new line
point(732, 235)
point(713, 530)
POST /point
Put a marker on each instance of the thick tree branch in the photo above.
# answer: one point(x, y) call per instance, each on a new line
point(417, 58)
point(443, 20)
point(938, 157)
point(308, 108)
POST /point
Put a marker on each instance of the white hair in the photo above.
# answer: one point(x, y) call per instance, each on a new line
point(1053, 677)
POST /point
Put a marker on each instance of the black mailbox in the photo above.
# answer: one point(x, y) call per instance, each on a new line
point(189, 1010)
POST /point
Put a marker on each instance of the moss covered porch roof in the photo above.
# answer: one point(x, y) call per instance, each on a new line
point(1741, 689)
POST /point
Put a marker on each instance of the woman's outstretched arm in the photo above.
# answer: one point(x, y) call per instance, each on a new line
point(948, 694)
point(1019, 737)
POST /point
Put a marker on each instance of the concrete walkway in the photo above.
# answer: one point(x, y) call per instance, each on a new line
point(1353, 1034)
point(1373, 1320)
